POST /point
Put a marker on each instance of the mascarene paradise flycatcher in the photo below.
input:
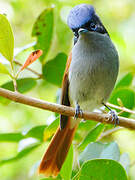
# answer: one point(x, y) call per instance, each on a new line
point(90, 75)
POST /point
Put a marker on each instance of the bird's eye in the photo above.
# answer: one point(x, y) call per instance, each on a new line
point(76, 36)
point(93, 26)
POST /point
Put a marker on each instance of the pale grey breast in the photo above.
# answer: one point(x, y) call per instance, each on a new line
point(93, 70)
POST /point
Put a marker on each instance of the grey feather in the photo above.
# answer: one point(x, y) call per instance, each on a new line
point(93, 70)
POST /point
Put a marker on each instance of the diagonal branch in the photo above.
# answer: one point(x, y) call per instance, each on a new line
point(109, 132)
point(29, 69)
point(65, 110)
point(124, 109)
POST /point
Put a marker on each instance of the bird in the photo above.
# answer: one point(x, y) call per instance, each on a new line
point(90, 76)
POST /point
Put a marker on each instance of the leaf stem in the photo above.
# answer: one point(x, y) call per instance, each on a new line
point(13, 77)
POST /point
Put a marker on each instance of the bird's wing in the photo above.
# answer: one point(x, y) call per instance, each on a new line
point(64, 96)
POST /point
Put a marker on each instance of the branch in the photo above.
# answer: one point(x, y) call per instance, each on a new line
point(65, 110)
point(121, 108)
point(109, 132)
point(29, 69)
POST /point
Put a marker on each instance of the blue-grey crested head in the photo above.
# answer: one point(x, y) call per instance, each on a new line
point(83, 16)
point(79, 15)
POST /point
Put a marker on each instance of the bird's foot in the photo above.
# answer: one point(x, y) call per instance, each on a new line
point(113, 114)
point(78, 111)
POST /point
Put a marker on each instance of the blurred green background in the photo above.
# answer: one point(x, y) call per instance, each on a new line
point(118, 16)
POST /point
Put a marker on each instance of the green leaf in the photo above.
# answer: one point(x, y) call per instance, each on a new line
point(24, 52)
point(111, 152)
point(53, 70)
point(27, 142)
point(3, 69)
point(125, 161)
point(20, 154)
point(99, 150)
point(50, 130)
point(36, 132)
point(57, 178)
point(11, 137)
point(23, 85)
point(92, 136)
point(127, 97)
point(43, 30)
point(92, 151)
point(67, 166)
point(103, 169)
point(6, 38)
point(125, 81)
point(86, 125)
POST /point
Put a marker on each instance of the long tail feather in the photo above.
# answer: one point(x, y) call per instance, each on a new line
point(56, 153)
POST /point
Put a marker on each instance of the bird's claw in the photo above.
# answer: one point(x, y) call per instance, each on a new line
point(114, 116)
point(78, 111)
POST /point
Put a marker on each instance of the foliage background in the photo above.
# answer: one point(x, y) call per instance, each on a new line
point(117, 16)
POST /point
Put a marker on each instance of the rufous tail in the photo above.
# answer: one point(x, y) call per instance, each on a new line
point(56, 153)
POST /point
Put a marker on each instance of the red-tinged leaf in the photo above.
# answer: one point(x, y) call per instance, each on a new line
point(32, 57)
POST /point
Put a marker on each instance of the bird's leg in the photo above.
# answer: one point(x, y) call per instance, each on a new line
point(115, 118)
point(78, 111)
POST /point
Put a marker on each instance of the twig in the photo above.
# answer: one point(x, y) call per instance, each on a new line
point(109, 132)
point(13, 75)
point(15, 85)
point(65, 110)
point(121, 108)
point(29, 69)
